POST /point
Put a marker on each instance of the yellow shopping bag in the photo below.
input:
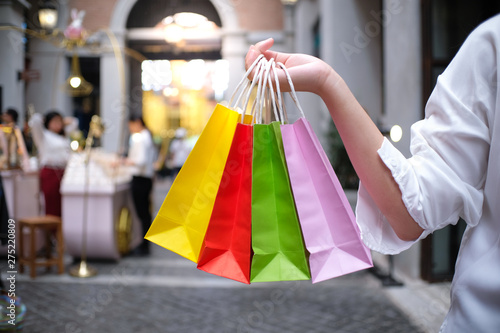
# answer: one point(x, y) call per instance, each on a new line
point(182, 220)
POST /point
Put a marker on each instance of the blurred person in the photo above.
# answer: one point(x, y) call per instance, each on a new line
point(49, 135)
point(9, 117)
point(141, 157)
point(178, 151)
point(12, 141)
point(453, 173)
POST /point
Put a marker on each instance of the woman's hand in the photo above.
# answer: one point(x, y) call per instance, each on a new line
point(308, 73)
point(67, 121)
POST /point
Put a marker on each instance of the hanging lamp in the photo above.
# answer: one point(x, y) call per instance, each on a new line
point(75, 84)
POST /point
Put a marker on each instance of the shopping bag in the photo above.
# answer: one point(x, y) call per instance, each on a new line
point(226, 249)
point(279, 253)
point(331, 234)
point(182, 220)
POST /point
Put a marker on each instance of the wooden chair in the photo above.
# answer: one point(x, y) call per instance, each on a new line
point(47, 223)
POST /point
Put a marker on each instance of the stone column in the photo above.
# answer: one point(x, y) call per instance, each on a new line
point(12, 56)
point(115, 98)
point(403, 90)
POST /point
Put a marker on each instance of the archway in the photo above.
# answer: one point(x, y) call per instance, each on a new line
point(233, 47)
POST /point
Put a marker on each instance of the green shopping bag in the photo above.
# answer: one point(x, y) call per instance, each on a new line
point(279, 252)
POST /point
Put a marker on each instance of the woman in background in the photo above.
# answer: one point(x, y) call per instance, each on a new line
point(53, 153)
point(141, 157)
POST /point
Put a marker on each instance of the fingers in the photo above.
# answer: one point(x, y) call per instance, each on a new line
point(264, 45)
point(262, 48)
point(256, 50)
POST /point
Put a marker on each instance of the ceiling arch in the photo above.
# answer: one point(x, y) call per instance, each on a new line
point(148, 13)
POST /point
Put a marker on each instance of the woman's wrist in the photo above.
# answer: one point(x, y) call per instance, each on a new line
point(332, 88)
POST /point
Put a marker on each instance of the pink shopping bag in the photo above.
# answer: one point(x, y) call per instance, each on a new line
point(328, 224)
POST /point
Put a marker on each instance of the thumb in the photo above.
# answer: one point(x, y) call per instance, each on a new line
point(264, 45)
point(256, 50)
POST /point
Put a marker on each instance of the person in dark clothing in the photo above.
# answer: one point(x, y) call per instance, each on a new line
point(141, 158)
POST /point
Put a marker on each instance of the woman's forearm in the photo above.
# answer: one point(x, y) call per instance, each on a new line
point(362, 139)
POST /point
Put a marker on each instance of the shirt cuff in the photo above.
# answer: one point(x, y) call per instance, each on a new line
point(376, 232)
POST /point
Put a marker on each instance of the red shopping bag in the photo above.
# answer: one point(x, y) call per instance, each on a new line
point(226, 249)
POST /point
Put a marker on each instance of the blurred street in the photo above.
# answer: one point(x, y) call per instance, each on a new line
point(166, 293)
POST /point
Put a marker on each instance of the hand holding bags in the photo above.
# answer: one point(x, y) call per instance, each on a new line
point(330, 231)
point(262, 187)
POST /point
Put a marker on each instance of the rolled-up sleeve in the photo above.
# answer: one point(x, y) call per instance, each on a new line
point(444, 178)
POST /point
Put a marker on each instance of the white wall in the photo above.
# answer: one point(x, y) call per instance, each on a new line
point(307, 13)
point(351, 44)
point(351, 40)
point(12, 57)
point(114, 96)
point(53, 65)
point(402, 67)
point(403, 89)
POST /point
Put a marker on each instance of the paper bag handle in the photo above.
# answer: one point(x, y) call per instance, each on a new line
point(265, 87)
point(256, 78)
point(242, 81)
point(293, 94)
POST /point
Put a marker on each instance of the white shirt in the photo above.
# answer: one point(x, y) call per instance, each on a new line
point(180, 150)
point(53, 149)
point(142, 154)
point(454, 172)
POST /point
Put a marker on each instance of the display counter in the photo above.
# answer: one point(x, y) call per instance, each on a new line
point(111, 223)
point(22, 195)
point(22, 190)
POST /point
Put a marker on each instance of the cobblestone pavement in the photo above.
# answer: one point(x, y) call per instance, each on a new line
point(166, 293)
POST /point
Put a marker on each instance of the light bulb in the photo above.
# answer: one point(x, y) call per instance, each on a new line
point(75, 82)
point(396, 133)
point(74, 145)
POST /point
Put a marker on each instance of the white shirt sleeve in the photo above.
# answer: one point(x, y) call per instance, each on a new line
point(444, 178)
point(36, 126)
